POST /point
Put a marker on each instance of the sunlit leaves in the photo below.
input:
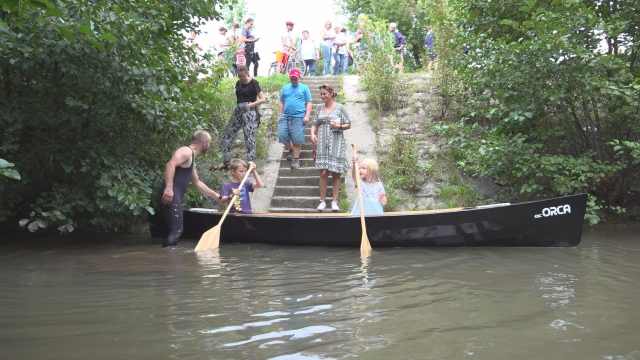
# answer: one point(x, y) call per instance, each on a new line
point(6, 171)
point(41, 4)
point(67, 33)
point(85, 29)
point(97, 44)
point(55, 12)
point(108, 37)
point(10, 5)
point(4, 27)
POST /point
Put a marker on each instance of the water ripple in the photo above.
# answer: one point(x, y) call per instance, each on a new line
point(124, 298)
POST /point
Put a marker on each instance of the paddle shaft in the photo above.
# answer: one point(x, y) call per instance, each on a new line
point(211, 238)
point(364, 245)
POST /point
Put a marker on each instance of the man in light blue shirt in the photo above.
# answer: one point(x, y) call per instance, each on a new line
point(294, 111)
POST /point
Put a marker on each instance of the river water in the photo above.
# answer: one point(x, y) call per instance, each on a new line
point(126, 298)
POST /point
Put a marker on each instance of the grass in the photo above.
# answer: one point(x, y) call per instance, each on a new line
point(343, 200)
point(456, 195)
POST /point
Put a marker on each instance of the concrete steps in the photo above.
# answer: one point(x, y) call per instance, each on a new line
point(301, 191)
point(300, 210)
point(296, 191)
point(314, 82)
point(302, 171)
point(300, 202)
point(297, 181)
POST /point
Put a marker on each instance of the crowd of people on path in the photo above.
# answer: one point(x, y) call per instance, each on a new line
point(238, 47)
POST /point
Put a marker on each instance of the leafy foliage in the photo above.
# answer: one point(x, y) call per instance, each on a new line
point(553, 89)
point(411, 18)
point(377, 75)
point(5, 171)
point(94, 98)
point(237, 13)
point(400, 165)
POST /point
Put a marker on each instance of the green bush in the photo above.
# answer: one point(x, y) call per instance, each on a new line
point(377, 76)
point(96, 96)
point(546, 110)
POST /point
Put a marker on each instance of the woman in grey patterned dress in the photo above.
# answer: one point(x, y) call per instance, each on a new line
point(329, 122)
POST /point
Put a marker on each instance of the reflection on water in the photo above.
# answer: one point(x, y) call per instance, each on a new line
point(558, 288)
point(126, 297)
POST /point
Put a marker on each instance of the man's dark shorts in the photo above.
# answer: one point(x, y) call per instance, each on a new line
point(398, 56)
point(431, 54)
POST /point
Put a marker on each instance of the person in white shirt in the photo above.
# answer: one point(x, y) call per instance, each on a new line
point(328, 35)
point(237, 32)
point(222, 41)
point(308, 53)
point(345, 50)
point(287, 45)
point(339, 50)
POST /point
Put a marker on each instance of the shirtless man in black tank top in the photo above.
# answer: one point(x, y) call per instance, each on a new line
point(181, 169)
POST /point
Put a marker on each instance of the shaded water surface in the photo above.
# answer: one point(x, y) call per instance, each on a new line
point(126, 298)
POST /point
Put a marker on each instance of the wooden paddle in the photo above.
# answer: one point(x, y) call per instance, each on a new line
point(211, 238)
point(364, 243)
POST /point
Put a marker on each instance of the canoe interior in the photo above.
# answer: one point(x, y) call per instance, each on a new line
point(556, 222)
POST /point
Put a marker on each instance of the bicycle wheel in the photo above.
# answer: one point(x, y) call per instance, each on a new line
point(288, 66)
point(272, 69)
point(300, 66)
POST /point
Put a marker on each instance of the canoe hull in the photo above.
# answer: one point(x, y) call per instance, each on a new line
point(556, 222)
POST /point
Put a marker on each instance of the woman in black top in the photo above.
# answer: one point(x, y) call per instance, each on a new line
point(245, 114)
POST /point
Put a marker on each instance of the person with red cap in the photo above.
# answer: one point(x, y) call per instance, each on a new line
point(287, 45)
point(294, 111)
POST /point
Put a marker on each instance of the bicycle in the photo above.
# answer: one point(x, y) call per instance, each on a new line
point(289, 62)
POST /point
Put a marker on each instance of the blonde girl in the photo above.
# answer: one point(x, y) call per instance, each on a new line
point(373, 194)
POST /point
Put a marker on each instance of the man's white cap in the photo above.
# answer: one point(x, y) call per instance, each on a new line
point(393, 25)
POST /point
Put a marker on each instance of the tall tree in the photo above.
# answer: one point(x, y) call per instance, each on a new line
point(238, 13)
point(93, 94)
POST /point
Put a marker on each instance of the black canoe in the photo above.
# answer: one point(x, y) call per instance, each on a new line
point(553, 222)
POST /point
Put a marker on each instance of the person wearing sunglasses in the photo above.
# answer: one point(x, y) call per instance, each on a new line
point(329, 122)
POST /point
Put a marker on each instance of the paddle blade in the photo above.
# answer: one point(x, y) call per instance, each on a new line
point(210, 239)
point(364, 244)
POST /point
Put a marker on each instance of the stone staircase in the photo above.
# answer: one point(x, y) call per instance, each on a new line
point(296, 191)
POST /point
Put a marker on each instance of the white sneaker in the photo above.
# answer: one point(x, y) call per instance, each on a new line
point(322, 206)
point(334, 206)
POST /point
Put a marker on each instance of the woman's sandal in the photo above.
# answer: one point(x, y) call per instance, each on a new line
point(223, 166)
